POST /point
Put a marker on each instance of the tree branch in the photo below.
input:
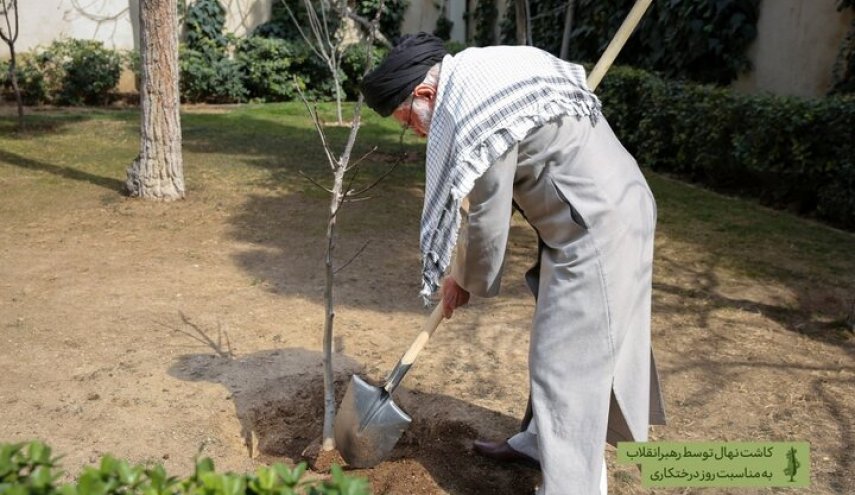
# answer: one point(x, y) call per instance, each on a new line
point(313, 181)
point(367, 25)
point(358, 162)
point(315, 120)
point(342, 267)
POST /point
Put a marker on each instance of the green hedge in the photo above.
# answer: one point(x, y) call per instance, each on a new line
point(30, 469)
point(67, 72)
point(788, 152)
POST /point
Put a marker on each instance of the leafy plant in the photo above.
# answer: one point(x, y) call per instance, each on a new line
point(31, 81)
point(30, 469)
point(204, 21)
point(391, 18)
point(701, 40)
point(354, 63)
point(443, 27)
point(209, 79)
point(843, 72)
point(486, 14)
point(786, 151)
point(281, 25)
point(77, 72)
point(266, 68)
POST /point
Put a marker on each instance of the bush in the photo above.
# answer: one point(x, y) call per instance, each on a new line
point(353, 64)
point(209, 77)
point(265, 65)
point(30, 469)
point(786, 151)
point(281, 25)
point(77, 72)
point(704, 41)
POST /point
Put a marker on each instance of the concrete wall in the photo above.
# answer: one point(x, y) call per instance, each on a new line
point(115, 22)
point(43, 21)
point(796, 46)
point(795, 50)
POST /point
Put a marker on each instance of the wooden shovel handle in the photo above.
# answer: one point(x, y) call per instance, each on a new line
point(430, 325)
point(611, 53)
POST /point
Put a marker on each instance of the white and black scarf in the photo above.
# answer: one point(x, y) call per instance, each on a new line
point(488, 99)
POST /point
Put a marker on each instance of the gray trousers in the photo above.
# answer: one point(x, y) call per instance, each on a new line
point(592, 375)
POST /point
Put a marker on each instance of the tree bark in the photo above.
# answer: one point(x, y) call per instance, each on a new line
point(158, 171)
point(10, 36)
point(523, 14)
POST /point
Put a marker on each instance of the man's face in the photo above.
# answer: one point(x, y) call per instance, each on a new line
point(416, 113)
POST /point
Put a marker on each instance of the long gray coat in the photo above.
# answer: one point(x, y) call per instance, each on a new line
point(592, 374)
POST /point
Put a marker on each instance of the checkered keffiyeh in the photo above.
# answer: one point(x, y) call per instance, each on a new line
point(488, 99)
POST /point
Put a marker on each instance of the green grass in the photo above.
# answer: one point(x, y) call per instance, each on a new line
point(252, 148)
point(754, 240)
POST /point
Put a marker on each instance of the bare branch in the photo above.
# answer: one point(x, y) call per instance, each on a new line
point(316, 120)
point(363, 157)
point(300, 29)
point(342, 267)
point(313, 181)
point(367, 25)
point(9, 36)
point(374, 184)
point(398, 161)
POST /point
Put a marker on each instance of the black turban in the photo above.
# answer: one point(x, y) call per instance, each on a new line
point(405, 67)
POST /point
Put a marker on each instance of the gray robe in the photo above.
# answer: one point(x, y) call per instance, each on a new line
point(592, 374)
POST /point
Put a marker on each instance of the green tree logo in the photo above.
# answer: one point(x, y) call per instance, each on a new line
point(793, 465)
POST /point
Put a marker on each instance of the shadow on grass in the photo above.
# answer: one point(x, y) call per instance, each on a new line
point(60, 171)
point(278, 400)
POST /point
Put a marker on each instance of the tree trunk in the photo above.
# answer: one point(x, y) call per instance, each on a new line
point(568, 26)
point(13, 75)
point(328, 442)
point(522, 21)
point(158, 171)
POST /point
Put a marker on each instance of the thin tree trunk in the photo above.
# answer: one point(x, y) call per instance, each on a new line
point(568, 27)
point(158, 171)
point(13, 74)
point(329, 297)
point(338, 98)
point(10, 36)
point(523, 14)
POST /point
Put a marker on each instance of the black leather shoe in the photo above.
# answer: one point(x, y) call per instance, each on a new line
point(503, 452)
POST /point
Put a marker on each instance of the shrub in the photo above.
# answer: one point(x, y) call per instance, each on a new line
point(704, 41)
point(31, 81)
point(30, 469)
point(72, 72)
point(391, 18)
point(265, 65)
point(353, 64)
point(786, 151)
point(281, 25)
point(203, 23)
point(208, 77)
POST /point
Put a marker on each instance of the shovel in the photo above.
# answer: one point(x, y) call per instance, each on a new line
point(369, 423)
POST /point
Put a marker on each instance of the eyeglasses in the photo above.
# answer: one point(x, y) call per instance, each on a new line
point(409, 123)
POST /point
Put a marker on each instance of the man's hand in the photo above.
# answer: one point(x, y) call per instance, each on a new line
point(453, 296)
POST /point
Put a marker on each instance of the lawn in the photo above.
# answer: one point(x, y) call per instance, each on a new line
point(154, 331)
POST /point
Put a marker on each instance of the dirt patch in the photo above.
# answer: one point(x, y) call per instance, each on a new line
point(157, 332)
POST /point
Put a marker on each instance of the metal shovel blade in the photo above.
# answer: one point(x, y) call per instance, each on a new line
point(368, 424)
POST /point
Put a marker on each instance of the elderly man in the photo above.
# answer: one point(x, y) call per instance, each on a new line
point(515, 127)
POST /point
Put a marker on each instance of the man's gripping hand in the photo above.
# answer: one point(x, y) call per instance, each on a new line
point(453, 296)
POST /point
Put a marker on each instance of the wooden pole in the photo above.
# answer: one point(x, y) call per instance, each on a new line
point(615, 46)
